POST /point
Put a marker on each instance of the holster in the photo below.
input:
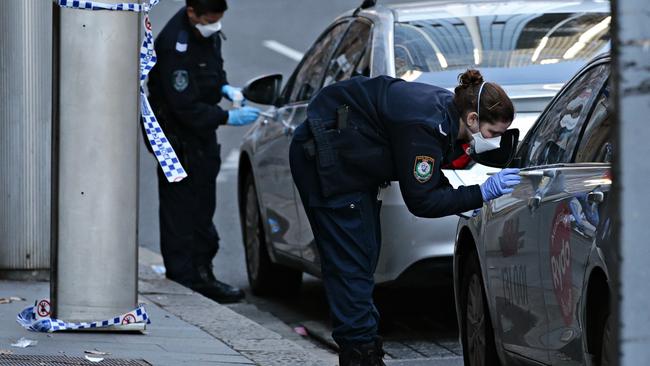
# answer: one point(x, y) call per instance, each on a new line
point(349, 158)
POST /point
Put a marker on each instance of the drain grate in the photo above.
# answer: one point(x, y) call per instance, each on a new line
point(25, 360)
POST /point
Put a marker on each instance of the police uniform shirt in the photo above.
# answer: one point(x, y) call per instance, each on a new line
point(188, 78)
point(419, 124)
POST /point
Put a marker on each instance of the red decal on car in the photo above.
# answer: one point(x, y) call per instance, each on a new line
point(560, 252)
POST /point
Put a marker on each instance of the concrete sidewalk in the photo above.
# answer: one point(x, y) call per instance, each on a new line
point(186, 328)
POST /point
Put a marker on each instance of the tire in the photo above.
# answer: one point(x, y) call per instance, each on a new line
point(265, 277)
point(477, 334)
point(607, 357)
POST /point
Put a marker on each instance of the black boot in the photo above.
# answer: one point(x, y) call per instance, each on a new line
point(207, 285)
point(368, 354)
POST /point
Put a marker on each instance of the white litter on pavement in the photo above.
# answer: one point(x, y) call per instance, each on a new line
point(97, 353)
point(10, 299)
point(24, 343)
point(159, 269)
point(94, 359)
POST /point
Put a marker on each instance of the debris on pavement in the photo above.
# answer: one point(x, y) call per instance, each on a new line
point(159, 269)
point(24, 343)
point(301, 330)
point(5, 352)
point(97, 352)
point(94, 359)
point(10, 299)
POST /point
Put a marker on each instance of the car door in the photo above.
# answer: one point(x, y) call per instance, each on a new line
point(351, 58)
point(511, 257)
point(569, 214)
point(512, 244)
point(275, 183)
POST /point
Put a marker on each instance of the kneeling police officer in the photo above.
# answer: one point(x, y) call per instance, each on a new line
point(363, 133)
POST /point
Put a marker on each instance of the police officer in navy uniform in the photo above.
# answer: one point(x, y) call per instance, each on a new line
point(185, 87)
point(363, 133)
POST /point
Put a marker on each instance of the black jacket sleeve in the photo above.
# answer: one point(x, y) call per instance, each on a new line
point(181, 91)
point(417, 156)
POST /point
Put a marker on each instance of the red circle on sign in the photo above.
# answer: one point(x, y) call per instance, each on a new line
point(147, 23)
point(128, 319)
point(43, 308)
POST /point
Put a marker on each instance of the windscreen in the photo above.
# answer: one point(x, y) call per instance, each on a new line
point(519, 48)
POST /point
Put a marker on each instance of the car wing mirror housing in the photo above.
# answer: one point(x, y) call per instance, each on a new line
point(264, 89)
point(504, 155)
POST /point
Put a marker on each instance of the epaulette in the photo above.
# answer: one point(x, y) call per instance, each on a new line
point(182, 41)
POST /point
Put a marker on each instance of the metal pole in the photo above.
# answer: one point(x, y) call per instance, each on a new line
point(25, 129)
point(631, 74)
point(97, 156)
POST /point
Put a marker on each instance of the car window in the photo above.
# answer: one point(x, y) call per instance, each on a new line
point(596, 142)
point(352, 56)
point(557, 132)
point(522, 45)
point(308, 77)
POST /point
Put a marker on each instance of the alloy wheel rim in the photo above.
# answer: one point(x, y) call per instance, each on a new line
point(252, 234)
point(475, 322)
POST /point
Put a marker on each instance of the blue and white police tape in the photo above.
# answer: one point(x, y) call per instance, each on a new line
point(160, 145)
point(37, 318)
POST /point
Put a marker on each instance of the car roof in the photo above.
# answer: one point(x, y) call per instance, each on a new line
point(419, 10)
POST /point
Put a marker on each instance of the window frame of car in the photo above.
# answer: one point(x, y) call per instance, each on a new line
point(288, 88)
point(590, 119)
point(532, 134)
point(367, 52)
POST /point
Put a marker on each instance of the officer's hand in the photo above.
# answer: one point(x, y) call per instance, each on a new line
point(499, 184)
point(233, 94)
point(242, 116)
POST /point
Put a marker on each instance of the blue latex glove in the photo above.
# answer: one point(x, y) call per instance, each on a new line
point(232, 93)
point(242, 116)
point(499, 184)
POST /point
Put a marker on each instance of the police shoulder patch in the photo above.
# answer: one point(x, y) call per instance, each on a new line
point(180, 80)
point(423, 168)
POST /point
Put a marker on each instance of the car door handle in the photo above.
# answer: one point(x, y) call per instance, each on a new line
point(595, 197)
point(533, 202)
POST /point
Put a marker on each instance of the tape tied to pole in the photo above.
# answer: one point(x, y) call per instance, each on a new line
point(162, 148)
point(37, 318)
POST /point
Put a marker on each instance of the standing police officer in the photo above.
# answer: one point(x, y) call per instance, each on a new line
point(185, 87)
point(362, 133)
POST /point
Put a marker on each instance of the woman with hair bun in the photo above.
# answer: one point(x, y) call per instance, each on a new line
point(363, 133)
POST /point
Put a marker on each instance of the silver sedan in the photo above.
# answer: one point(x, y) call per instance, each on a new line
point(521, 46)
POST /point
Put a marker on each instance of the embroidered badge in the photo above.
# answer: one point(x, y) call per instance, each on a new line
point(180, 80)
point(423, 168)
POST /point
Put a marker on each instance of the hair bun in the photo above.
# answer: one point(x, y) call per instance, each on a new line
point(469, 78)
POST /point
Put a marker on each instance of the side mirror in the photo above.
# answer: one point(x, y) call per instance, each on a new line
point(263, 90)
point(501, 157)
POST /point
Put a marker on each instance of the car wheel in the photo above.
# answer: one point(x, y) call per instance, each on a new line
point(264, 276)
point(477, 332)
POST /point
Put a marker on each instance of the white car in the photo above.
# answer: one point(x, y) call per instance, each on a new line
point(531, 48)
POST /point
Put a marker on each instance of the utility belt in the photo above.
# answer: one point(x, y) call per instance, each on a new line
point(350, 156)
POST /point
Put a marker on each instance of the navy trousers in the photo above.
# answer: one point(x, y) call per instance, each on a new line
point(188, 237)
point(348, 236)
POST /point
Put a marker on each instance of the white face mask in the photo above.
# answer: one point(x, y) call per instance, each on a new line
point(207, 30)
point(479, 143)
